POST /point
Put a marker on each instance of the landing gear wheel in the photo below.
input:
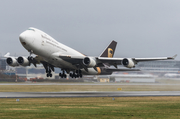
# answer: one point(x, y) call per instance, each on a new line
point(63, 75)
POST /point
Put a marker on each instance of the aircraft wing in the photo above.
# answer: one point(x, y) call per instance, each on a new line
point(102, 61)
point(110, 61)
point(118, 61)
point(69, 58)
point(152, 59)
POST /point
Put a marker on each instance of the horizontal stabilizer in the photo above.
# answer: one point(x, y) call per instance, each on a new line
point(7, 55)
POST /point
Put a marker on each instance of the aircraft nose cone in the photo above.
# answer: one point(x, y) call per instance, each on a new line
point(22, 37)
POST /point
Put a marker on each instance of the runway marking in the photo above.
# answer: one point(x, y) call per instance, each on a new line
point(119, 89)
point(87, 94)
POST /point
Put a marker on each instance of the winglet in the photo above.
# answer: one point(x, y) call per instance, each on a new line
point(7, 54)
point(173, 57)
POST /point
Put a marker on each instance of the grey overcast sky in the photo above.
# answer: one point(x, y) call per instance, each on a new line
point(142, 28)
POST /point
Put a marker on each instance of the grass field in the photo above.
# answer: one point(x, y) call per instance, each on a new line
point(61, 88)
point(91, 108)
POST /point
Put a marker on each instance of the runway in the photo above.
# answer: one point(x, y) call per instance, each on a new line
point(45, 83)
point(87, 94)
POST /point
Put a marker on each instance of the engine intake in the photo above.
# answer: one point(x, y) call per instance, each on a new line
point(89, 62)
point(11, 61)
point(128, 62)
point(23, 61)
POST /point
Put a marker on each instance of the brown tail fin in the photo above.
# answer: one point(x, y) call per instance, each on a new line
point(109, 51)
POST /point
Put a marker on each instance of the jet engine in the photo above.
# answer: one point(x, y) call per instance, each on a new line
point(11, 61)
point(89, 62)
point(128, 62)
point(23, 61)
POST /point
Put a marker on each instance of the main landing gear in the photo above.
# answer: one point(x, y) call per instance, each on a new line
point(63, 75)
point(75, 74)
point(49, 74)
point(49, 68)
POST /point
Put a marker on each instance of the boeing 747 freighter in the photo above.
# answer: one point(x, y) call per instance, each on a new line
point(52, 53)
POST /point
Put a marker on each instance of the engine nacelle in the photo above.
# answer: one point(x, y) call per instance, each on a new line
point(23, 61)
point(128, 62)
point(89, 62)
point(11, 61)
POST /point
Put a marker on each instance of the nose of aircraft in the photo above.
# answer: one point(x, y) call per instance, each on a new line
point(27, 39)
point(22, 37)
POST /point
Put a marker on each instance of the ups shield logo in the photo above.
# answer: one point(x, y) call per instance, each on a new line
point(110, 52)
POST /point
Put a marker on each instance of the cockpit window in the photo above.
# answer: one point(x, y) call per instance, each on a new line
point(31, 29)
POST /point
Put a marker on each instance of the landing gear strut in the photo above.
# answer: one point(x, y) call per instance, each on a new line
point(49, 68)
point(48, 71)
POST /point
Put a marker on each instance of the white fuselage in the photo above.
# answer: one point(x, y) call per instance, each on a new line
point(43, 45)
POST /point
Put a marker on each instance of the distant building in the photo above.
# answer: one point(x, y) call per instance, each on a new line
point(138, 78)
point(31, 72)
point(103, 79)
point(2, 64)
point(38, 72)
